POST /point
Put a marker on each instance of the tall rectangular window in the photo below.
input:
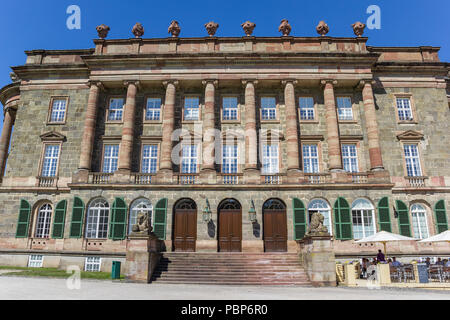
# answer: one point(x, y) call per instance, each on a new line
point(58, 112)
point(270, 159)
point(350, 157)
point(110, 158)
point(191, 108)
point(149, 158)
point(268, 108)
point(189, 159)
point(310, 158)
point(344, 106)
point(115, 111)
point(230, 159)
point(153, 110)
point(306, 105)
point(230, 108)
point(404, 109)
point(412, 159)
point(50, 163)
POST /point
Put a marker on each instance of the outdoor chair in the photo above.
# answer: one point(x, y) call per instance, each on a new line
point(435, 273)
point(408, 273)
point(395, 274)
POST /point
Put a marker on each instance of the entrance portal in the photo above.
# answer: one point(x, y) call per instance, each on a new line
point(230, 226)
point(185, 226)
point(275, 226)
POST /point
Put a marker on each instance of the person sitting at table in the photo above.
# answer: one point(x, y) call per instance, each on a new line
point(395, 263)
point(440, 262)
point(380, 257)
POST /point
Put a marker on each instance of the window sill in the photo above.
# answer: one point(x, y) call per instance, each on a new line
point(231, 121)
point(113, 122)
point(407, 122)
point(270, 121)
point(56, 123)
point(348, 121)
point(310, 121)
point(152, 121)
point(191, 121)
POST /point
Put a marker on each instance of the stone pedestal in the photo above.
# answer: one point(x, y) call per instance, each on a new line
point(143, 256)
point(208, 176)
point(80, 176)
point(121, 176)
point(317, 254)
point(379, 176)
point(252, 176)
point(295, 176)
point(164, 176)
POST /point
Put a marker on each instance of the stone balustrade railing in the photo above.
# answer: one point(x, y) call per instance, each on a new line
point(318, 178)
point(143, 178)
point(416, 182)
point(46, 182)
point(100, 178)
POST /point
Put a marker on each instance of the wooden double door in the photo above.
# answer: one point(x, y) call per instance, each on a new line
point(275, 230)
point(185, 230)
point(230, 230)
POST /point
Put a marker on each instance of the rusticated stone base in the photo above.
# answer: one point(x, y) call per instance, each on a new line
point(317, 255)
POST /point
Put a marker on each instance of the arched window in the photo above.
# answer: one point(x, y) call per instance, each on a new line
point(321, 206)
point(274, 204)
point(419, 221)
point(97, 220)
point(44, 216)
point(140, 205)
point(363, 219)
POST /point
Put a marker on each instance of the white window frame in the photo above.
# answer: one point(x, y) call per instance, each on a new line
point(307, 110)
point(230, 158)
point(230, 111)
point(110, 158)
point(58, 111)
point(363, 210)
point(43, 221)
point(270, 159)
point(50, 160)
point(190, 159)
point(412, 161)
point(404, 109)
point(136, 207)
point(268, 110)
point(151, 112)
point(35, 261)
point(115, 109)
point(93, 264)
point(321, 206)
point(310, 161)
point(350, 159)
point(191, 110)
point(420, 224)
point(150, 158)
point(345, 108)
point(97, 220)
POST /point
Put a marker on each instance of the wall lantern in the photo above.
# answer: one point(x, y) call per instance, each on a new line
point(207, 212)
point(252, 213)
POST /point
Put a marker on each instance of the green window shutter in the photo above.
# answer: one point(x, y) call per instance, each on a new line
point(159, 225)
point(76, 224)
point(441, 216)
point(300, 223)
point(59, 220)
point(24, 219)
point(384, 216)
point(403, 219)
point(343, 220)
point(118, 220)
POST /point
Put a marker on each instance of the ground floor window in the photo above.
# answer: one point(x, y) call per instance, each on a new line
point(44, 217)
point(322, 207)
point(93, 264)
point(363, 219)
point(35, 261)
point(419, 221)
point(97, 220)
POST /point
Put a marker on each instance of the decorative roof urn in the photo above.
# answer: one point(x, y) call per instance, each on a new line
point(285, 28)
point(248, 27)
point(211, 28)
point(174, 29)
point(322, 28)
point(103, 31)
point(358, 28)
point(138, 30)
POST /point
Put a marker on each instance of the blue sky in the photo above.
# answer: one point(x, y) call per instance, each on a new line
point(42, 24)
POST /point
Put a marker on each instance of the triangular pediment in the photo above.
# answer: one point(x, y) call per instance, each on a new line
point(53, 136)
point(410, 135)
point(271, 134)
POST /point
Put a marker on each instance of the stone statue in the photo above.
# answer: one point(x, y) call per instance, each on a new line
point(316, 225)
point(248, 27)
point(142, 226)
point(103, 31)
point(322, 28)
point(174, 29)
point(358, 28)
point(14, 77)
point(138, 30)
point(211, 27)
point(285, 27)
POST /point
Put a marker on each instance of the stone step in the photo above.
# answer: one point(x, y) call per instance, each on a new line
point(236, 283)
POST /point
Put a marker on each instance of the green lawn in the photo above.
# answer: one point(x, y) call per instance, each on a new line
point(55, 273)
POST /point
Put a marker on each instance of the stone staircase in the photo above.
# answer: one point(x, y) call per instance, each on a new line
point(231, 269)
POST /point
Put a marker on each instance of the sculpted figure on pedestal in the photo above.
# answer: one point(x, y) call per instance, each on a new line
point(322, 28)
point(358, 28)
point(138, 30)
point(316, 226)
point(285, 27)
point(102, 31)
point(211, 28)
point(174, 29)
point(248, 27)
point(142, 226)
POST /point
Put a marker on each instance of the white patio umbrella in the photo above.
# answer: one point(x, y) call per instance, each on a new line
point(384, 237)
point(441, 237)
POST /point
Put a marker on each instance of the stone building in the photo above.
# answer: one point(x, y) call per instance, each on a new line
point(229, 143)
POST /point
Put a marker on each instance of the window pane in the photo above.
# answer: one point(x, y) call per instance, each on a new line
point(350, 158)
point(268, 108)
point(412, 160)
point(191, 108)
point(189, 159)
point(306, 108)
point(230, 108)
point(153, 111)
point(270, 159)
point(44, 217)
point(50, 163)
point(310, 158)
point(404, 109)
point(115, 109)
point(110, 158)
point(344, 105)
point(58, 110)
point(97, 220)
point(230, 159)
point(149, 158)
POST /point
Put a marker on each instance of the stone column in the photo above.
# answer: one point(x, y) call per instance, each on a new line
point(126, 144)
point(376, 161)
point(8, 122)
point(87, 142)
point(251, 173)
point(208, 172)
point(334, 146)
point(165, 173)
